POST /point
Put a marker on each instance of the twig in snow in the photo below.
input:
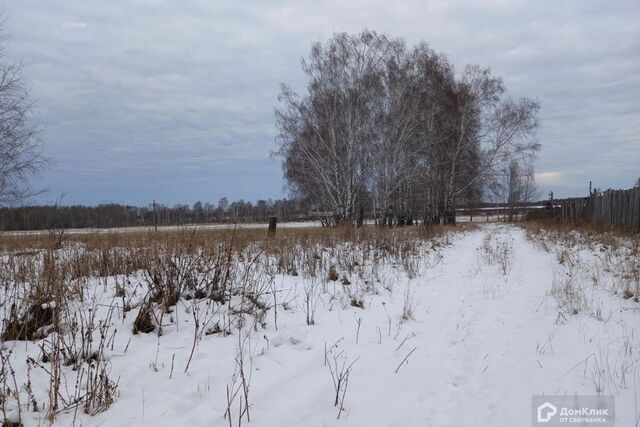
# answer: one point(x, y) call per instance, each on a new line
point(327, 351)
point(359, 322)
point(172, 360)
point(384, 306)
point(405, 359)
point(398, 331)
point(196, 327)
point(340, 376)
point(404, 340)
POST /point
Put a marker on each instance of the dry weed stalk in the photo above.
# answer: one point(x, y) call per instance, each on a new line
point(340, 371)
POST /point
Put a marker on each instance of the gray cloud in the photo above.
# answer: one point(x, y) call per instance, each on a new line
point(175, 101)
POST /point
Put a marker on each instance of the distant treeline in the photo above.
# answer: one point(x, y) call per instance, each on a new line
point(116, 215)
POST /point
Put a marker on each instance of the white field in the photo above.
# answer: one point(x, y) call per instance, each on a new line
point(485, 334)
point(222, 226)
point(292, 224)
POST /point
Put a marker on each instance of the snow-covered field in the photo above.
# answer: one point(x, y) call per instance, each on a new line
point(459, 330)
point(245, 225)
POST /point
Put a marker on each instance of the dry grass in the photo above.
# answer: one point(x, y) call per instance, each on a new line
point(47, 280)
point(597, 252)
point(10, 242)
point(498, 251)
point(593, 231)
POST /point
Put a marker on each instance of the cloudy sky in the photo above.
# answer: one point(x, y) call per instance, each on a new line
point(174, 100)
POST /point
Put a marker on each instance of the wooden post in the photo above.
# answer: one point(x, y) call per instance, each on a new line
point(273, 221)
point(155, 217)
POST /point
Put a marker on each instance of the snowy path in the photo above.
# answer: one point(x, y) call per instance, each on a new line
point(480, 359)
point(484, 342)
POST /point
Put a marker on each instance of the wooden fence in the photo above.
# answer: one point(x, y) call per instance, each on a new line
point(617, 208)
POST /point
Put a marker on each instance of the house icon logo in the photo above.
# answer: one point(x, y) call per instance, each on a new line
point(545, 412)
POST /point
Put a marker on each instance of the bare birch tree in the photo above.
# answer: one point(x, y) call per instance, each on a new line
point(397, 119)
point(490, 130)
point(325, 137)
point(20, 156)
point(515, 185)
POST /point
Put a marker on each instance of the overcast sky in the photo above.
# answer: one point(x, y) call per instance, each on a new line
point(174, 100)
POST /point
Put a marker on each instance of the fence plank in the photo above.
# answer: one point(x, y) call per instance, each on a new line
point(618, 208)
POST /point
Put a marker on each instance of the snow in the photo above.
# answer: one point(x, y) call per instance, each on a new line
point(244, 225)
point(484, 336)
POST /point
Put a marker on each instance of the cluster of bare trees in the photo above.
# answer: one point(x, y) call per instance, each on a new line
point(392, 130)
